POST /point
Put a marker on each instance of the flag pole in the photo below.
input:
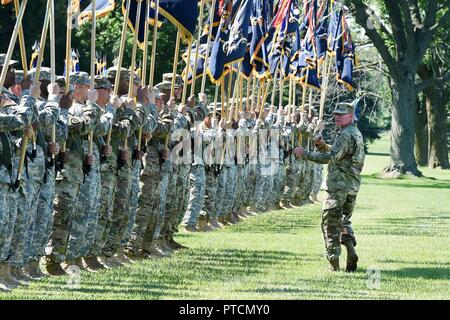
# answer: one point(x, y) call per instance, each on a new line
point(12, 42)
point(216, 93)
point(208, 42)
point(24, 145)
point(175, 62)
point(188, 65)
point(92, 83)
point(154, 39)
point(23, 52)
point(52, 62)
point(247, 101)
point(323, 94)
point(120, 60)
point(252, 104)
point(194, 71)
point(134, 50)
point(222, 98)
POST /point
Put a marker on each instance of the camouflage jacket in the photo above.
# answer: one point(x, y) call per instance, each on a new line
point(345, 159)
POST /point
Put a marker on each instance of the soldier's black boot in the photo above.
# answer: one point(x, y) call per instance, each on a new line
point(53, 268)
point(352, 257)
point(334, 264)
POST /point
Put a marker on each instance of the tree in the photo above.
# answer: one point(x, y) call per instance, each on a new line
point(402, 45)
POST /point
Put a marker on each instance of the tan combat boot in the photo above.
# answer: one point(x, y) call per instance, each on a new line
point(93, 264)
point(53, 268)
point(34, 270)
point(19, 275)
point(7, 281)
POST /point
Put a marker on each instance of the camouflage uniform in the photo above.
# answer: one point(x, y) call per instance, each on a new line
point(148, 200)
point(84, 221)
point(317, 180)
point(231, 170)
point(80, 120)
point(345, 159)
point(8, 208)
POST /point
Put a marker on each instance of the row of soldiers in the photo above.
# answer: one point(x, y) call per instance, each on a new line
point(110, 178)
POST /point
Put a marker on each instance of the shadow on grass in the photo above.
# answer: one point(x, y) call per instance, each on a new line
point(415, 273)
point(182, 276)
point(405, 182)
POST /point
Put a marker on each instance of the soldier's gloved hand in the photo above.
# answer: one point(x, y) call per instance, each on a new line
point(151, 95)
point(203, 98)
point(191, 102)
point(165, 154)
point(320, 125)
point(63, 156)
point(228, 124)
point(90, 160)
point(53, 90)
point(65, 102)
point(130, 103)
point(318, 140)
point(115, 101)
point(171, 103)
point(299, 152)
point(146, 136)
point(124, 155)
point(214, 122)
point(28, 131)
point(182, 108)
point(53, 148)
point(92, 95)
point(221, 123)
point(259, 123)
point(141, 94)
point(106, 150)
point(273, 109)
point(35, 89)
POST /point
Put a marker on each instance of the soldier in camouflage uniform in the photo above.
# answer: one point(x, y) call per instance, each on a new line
point(35, 167)
point(141, 235)
point(15, 115)
point(139, 115)
point(81, 118)
point(84, 221)
point(345, 159)
point(111, 155)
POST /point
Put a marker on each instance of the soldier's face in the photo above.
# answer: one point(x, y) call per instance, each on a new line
point(177, 93)
point(16, 89)
point(10, 79)
point(343, 120)
point(207, 122)
point(80, 93)
point(103, 96)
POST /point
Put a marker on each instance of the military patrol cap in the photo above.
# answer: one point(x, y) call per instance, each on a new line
point(3, 58)
point(157, 92)
point(166, 84)
point(79, 77)
point(61, 81)
point(127, 75)
point(111, 73)
point(344, 108)
point(44, 74)
point(211, 109)
point(102, 82)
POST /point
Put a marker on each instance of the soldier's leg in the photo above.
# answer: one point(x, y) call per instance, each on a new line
point(182, 192)
point(149, 183)
point(134, 194)
point(196, 199)
point(222, 184)
point(93, 219)
point(347, 235)
point(210, 195)
point(120, 209)
point(230, 190)
point(332, 208)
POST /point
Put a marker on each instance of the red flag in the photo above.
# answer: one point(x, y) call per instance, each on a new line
point(283, 10)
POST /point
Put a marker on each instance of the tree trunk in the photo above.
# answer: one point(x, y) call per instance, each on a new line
point(421, 150)
point(403, 127)
point(436, 105)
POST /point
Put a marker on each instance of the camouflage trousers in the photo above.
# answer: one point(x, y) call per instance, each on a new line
point(8, 212)
point(108, 187)
point(211, 185)
point(148, 199)
point(278, 184)
point(121, 209)
point(337, 210)
point(263, 185)
point(196, 196)
point(162, 208)
point(230, 189)
point(172, 203)
point(251, 185)
point(303, 189)
point(221, 187)
point(44, 219)
point(136, 172)
point(67, 187)
point(292, 178)
point(85, 217)
point(240, 188)
point(317, 179)
point(181, 194)
point(22, 239)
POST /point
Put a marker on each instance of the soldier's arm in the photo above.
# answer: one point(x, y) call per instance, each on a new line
point(152, 120)
point(335, 153)
point(10, 122)
point(85, 122)
point(105, 121)
point(49, 113)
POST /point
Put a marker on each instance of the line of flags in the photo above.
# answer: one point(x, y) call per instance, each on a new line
point(268, 38)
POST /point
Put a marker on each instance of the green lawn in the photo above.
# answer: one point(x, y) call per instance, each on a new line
point(402, 227)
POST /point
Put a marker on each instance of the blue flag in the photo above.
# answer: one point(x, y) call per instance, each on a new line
point(231, 40)
point(102, 8)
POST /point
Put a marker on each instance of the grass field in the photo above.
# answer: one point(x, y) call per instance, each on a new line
point(403, 232)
